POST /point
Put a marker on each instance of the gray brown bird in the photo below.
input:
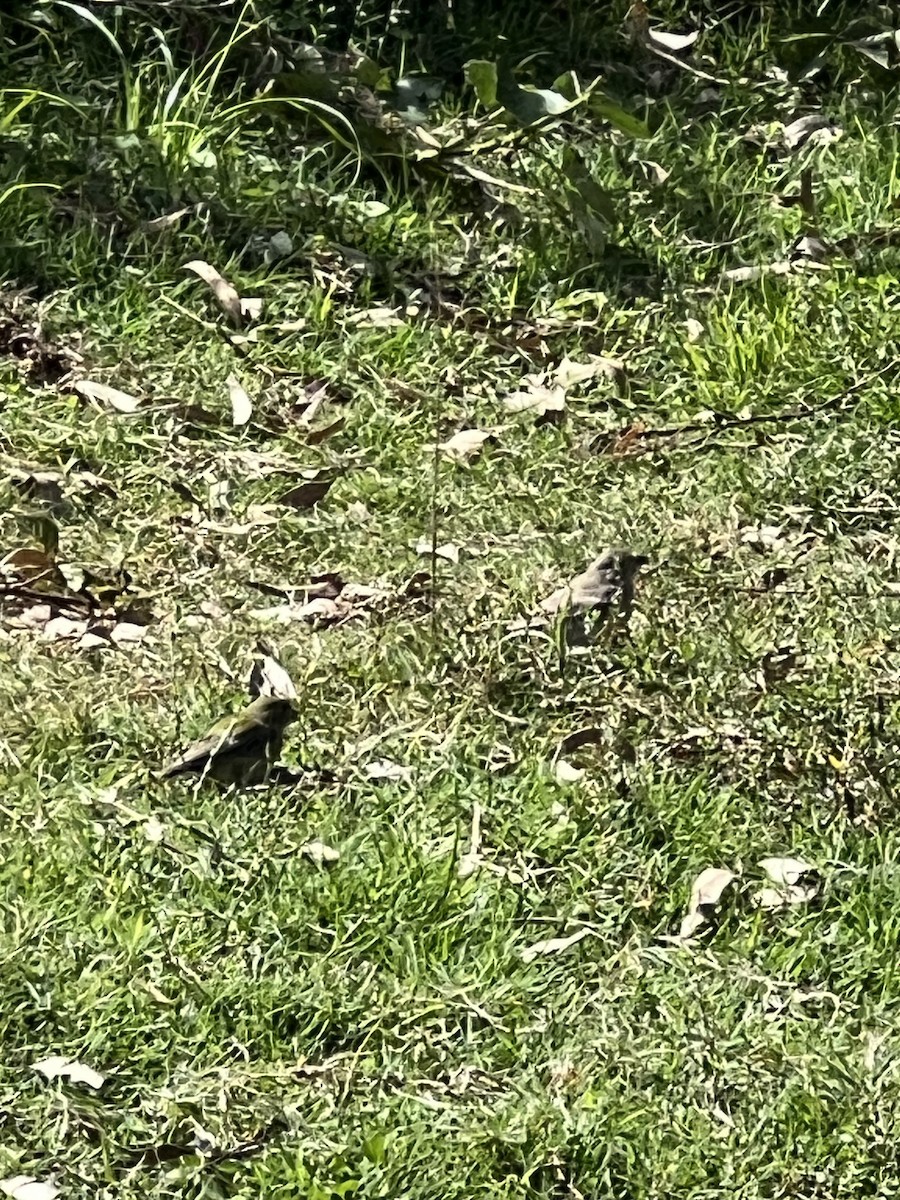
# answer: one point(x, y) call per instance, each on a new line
point(240, 749)
point(606, 585)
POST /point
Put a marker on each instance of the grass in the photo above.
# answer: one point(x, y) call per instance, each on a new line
point(372, 1028)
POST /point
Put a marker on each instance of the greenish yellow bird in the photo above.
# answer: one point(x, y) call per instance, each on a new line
point(240, 749)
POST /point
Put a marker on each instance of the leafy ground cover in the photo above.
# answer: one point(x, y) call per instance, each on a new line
point(439, 385)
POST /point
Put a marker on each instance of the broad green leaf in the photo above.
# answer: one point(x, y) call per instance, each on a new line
point(528, 105)
point(608, 110)
point(482, 76)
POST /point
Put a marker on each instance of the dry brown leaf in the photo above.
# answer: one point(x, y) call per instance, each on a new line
point(466, 445)
point(224, 292)
point(783, 897)
point(706, 893)
point(61, 628)
point(315, 437)
point(547, 404)
point(568, 373)
point(241, 404)
point(553, 945)
point(103, 394)
point(308, 494)
point(786, 872)
point(57, 1066)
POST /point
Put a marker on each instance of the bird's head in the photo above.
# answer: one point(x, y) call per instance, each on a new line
point(274, 711)
point(620, 558)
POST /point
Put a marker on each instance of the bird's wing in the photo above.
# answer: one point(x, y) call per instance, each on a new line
point(221, 739)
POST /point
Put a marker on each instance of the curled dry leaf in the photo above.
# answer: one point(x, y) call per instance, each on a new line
point(380, 318)
point(793, 882)
point(224, 292)
point(347, 604)
point(553, 945)
point(26, 1187)
point(158, 224)
point(319, 853)
point(241, 404)
point(104, 395)
point(315, 437)
point(546, 404)
point(251, 309)
point(310, 493)
point(785, 872)
point(57, 1066)
point(466, 445)
point(706, 894)
point(671, 43)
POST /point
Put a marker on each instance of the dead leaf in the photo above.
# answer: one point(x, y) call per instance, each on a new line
point(227, 296)
point(706, 893)
point(153, 829)
point(695, 330)
point(103, 394)
point(57, 1066)
point(315, 437)
point(547, 404)
point(241, 404)
point(466, 445)
point(26, 1187)
point(380, 318)
point(786, 872)
point(61, 628)
point(471, 860)
point(384, 769)
point(672, 43)
point(446, 550)
point(308, 494)
point(320, 853)
point(157, 224)
point(251, 310)
point(347, 603)
point(752, 273)
point(37, 568)
point(814, 129)
point(553, 945)
point(793, 882)
point(269, 677)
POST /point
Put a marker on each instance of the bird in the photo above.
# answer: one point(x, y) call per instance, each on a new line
point(241, 749)
point(607, 584)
